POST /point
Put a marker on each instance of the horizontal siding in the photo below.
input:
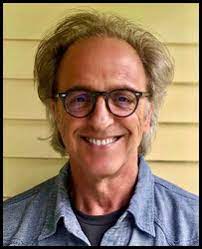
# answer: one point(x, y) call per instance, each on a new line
point(30, 172)
point(22, 174)
point(27, 93)
point(174, 23)
point(173, 172)
point(180, 105)
point(28, 161)
point(19, 60)
point(184, 147)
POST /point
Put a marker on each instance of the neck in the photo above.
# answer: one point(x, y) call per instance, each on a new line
point(99, 196)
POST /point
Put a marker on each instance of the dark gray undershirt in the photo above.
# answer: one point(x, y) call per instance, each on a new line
point(94, 226)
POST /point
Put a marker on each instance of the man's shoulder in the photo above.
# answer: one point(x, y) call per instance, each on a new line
point(176, 211)
point(28, 195)
point(165, 186)
point(26, 209)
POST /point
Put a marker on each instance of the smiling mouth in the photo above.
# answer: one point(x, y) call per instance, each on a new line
point(102, 142)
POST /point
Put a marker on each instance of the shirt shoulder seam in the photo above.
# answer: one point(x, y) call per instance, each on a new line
point(157, 181)
point(22, 196)
point(19, 198)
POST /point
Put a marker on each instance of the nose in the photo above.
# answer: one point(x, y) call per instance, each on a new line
point(101, 117)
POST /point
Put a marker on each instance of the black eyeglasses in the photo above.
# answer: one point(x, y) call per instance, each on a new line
point(81, 103)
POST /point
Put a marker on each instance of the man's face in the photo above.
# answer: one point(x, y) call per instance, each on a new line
point(102, 64)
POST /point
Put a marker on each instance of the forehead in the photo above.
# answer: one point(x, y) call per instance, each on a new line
point(99, 59)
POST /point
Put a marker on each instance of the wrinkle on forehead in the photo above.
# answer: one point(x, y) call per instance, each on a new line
point(101, 59)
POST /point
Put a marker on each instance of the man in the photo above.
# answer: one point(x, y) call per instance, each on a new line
point(102, 80)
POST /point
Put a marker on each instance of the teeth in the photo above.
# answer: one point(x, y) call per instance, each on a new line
point(101, 141)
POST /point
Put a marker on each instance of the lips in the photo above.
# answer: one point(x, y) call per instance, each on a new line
point(101, 142)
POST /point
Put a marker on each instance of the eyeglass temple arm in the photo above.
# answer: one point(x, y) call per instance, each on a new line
point(57, 95)
point(146, 94)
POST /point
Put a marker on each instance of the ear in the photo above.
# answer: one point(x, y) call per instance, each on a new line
point(147, 121)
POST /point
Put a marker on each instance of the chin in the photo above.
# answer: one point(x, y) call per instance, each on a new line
point(103, 167)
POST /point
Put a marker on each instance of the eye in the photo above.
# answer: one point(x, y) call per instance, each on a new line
point(123, 99)
point(78, 101)
point(81, 98)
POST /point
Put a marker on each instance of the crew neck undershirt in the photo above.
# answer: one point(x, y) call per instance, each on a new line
point(94, 226)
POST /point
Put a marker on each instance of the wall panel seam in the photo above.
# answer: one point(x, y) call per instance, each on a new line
point(60, 158)
point(165, 43)
point(45, 121)
point(188, 83)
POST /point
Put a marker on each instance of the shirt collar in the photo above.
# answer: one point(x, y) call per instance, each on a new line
point(141, 205)
point(59, 206)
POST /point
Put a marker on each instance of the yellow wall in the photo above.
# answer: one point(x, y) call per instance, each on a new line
point(28, 161)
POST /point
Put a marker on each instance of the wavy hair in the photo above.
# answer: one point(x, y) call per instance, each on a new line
point(82, 24)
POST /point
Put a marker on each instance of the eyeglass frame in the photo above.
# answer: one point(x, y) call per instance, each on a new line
point(106, 95)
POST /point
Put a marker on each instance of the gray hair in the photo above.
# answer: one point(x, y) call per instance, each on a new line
point(154, 55)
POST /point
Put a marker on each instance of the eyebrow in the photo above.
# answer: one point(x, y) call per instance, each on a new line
point(79, 88)
point(90, 89)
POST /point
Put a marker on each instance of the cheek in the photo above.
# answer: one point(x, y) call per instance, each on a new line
point(63, 126)
point(141, 116)
point(68, 127)
point(61, 123)
point(135, 126)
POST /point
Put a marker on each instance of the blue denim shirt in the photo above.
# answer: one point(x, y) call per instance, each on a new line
point(159, 214)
